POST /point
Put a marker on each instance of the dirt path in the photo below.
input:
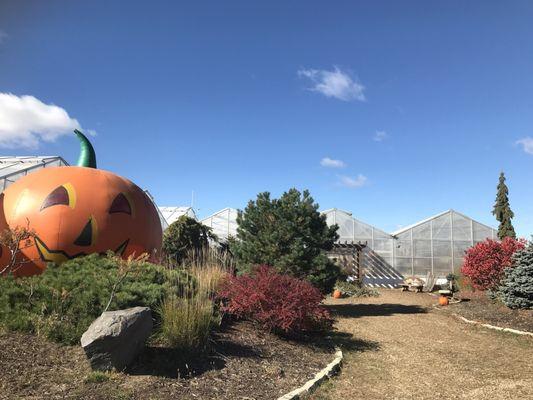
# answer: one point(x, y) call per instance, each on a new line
point(398, 347)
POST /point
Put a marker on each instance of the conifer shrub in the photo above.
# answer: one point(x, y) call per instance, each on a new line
point(277, 302)
point(290, 234)
point(64, 300)
point(516, 290)
point(184, 237)
point(485, 262)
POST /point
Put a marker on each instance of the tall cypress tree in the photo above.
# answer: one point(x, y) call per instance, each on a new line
point(502, 210)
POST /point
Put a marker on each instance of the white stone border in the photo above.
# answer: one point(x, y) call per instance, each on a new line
point(497, 328)
point(331, 369)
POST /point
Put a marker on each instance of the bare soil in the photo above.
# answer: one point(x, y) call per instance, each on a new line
point(478, 307)
point(412, 350)
point(245, 364)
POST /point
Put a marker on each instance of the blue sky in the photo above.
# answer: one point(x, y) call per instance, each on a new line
point(394, 111)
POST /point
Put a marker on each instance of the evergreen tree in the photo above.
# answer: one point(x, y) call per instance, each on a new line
point(516, 289)
point(185, 235)
point(502, 210)
point(287, 233)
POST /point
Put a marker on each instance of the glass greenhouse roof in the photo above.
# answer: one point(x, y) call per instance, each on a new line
point(223, 222)
point(171, 214)
point(13, 168)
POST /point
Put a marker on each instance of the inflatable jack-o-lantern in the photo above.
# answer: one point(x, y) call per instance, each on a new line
point(78, 210)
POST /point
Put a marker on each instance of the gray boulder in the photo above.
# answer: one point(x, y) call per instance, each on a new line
point(116, 338)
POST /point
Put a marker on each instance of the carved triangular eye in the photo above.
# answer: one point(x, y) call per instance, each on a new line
point(120, 204)
point(59, 196)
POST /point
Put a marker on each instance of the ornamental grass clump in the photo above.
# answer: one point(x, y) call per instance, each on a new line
point(186, 320)
point(277, 302)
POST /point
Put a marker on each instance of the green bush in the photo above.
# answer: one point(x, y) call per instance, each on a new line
point(516, 289)
point(183, 236)
point(290, 234)
point(61, 303)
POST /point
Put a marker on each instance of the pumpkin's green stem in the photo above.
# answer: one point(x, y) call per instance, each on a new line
point(87, 156)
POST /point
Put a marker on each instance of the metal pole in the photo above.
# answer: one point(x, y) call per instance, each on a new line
point(412, 254)
point(451, 233)
point(471, 232)
point(431, 239)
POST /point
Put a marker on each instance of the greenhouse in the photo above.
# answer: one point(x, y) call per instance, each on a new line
point(14, 168)
point(437, 244)
point(223, 223)
point(171, 214)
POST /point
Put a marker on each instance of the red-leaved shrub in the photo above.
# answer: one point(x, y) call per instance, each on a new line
point(485, 262)
point(278, 302)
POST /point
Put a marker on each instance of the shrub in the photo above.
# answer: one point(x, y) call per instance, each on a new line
point(516, 290)
point(183, 236)
point(355, 289)
point(279, 303)
point(61, 303)
point(186, 321)
point(486, 261)
point(290, 234)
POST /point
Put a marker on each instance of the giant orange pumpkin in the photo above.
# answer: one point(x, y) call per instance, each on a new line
point(78, 210)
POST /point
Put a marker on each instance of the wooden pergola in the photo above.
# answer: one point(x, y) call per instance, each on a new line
point(348, 256)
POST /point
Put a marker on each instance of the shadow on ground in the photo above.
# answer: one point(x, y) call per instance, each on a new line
point(334, 338)
point(172, 363)
point(373, 310)
point(347, 342)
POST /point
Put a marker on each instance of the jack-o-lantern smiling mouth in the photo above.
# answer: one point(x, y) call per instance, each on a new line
point(60, 256)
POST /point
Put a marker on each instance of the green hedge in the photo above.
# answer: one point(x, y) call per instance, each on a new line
point(62, 302)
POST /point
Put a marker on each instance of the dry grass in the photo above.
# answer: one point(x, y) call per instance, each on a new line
point(186, 321)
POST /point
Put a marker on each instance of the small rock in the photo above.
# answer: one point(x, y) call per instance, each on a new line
point(116, 338)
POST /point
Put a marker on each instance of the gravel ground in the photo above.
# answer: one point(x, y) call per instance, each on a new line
point(245, 364)
point(406, 349)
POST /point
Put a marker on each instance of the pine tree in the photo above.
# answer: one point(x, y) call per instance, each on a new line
point(516, 289)
point(289, 234)
point(502, 210)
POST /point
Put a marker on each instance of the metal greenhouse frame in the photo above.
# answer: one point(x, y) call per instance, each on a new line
point(14, 168)
point(223, 222)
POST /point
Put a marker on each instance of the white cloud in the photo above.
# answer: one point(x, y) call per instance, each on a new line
point(380, 136)
point(356, 182)
point(336, 83)
point(331, 163)
point(3, 36)
point(527, 144)
point(25, 121)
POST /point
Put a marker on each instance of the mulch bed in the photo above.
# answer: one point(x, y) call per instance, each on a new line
point(245, 363)
point(478, 307)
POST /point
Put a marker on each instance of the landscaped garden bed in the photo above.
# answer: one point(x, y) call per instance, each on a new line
point(477, 306)
point(245, 362)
